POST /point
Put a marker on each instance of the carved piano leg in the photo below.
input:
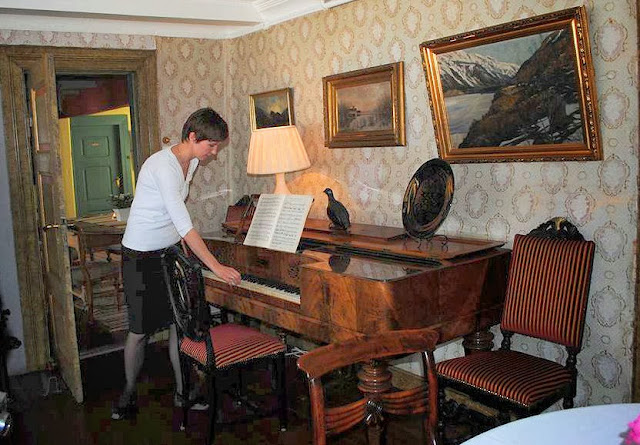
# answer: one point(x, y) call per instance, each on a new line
point(478, 341)
point(374, 379)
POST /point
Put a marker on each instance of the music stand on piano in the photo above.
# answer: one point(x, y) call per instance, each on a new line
point(247, 216)
point(246, 205)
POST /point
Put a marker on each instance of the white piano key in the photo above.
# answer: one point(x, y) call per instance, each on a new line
point(260, 288)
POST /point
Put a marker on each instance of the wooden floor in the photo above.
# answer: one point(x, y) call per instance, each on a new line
point(45, 413)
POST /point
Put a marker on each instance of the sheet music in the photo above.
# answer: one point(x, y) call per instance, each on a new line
point(278, 221)
point(290, 224)
point(264, 221)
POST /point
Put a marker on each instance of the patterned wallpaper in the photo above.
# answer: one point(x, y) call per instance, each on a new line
point(76, 39)
point(491, 200)
point(191, 75)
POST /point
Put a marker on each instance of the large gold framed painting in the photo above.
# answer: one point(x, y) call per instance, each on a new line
point(520, 91)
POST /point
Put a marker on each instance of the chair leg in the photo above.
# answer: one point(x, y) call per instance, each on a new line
point(567, 402)
point(186, 389)
point(282, 391)
point(504, 417)
point(213, 406)
point(441, 411)
point(116, 287)
point(118, 300)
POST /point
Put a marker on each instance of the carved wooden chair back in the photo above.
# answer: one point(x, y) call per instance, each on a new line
point(213, 348)
point(378, 396)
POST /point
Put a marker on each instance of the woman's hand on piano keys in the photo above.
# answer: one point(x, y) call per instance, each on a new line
point(227, 274)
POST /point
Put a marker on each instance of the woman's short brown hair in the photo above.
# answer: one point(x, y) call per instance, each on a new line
point(206, 124)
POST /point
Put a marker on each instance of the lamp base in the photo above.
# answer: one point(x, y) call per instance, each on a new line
point(281, 185)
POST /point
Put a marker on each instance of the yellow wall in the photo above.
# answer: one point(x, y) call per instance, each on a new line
point(116, 111)
point(67, 167)
point(67, 161)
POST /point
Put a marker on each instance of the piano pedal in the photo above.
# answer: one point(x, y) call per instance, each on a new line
point(295, 352)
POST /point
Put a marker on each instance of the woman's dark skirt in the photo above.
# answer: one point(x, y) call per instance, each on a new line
point(145, 291)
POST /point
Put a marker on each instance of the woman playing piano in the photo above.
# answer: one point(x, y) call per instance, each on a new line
point(159, 219)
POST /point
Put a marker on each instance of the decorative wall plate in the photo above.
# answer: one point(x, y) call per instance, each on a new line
point(428, 198)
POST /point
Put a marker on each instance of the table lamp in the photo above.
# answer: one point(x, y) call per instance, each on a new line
point(276, 151)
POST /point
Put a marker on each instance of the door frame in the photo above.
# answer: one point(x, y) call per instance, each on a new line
point(24, 209)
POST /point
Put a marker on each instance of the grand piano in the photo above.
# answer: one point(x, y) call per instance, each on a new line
point(338, 285)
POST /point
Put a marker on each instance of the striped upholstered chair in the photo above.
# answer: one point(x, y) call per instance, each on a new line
point(547, 291)
point(214, 349)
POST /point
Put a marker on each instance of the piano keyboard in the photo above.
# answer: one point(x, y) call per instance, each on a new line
point(263, 286)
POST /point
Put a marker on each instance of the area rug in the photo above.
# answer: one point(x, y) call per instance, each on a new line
point(107, 313)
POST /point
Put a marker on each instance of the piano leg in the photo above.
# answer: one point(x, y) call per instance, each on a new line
point(481, 340)
point(374, 379)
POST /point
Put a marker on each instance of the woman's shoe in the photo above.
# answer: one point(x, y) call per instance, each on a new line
point(196, 403)
point(127, 411)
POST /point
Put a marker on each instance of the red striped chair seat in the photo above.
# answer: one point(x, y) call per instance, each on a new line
point(520, 378)
point(232, 344)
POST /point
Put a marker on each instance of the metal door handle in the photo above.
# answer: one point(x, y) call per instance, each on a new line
point(63, 222)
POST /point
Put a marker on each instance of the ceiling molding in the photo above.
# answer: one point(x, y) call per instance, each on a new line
point(213, 19)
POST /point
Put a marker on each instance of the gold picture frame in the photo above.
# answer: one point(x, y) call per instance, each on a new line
point(365, 108)
point(272, 109)
point(520, 91)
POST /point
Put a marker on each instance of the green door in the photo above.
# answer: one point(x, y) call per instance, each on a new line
point(100, 149)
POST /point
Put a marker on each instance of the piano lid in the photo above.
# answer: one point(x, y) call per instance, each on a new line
point(369, 239)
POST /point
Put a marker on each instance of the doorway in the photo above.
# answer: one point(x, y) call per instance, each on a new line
point(95, 127)
point(96, 146)
point(26, 182)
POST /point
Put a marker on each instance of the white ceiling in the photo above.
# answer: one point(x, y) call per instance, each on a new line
point(213, 19)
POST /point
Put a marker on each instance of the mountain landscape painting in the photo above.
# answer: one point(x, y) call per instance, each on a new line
point(271, 109)
point(517, 92)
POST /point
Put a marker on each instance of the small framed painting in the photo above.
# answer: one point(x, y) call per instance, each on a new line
point(272, 109)
point(365, 108)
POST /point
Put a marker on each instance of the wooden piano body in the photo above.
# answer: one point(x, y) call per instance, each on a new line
point(366, 281)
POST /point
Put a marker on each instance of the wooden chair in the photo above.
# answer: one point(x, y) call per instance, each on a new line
point(97, 279)
point(547, 291)
point(87, 277)
point(375, 384)
point(218, 348)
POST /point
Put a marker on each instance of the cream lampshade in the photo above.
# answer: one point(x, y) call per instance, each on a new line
point(276, 151)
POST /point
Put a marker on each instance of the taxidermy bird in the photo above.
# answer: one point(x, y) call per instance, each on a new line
point(337, 212)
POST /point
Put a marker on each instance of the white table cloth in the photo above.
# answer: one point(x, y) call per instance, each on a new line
point(591, 425)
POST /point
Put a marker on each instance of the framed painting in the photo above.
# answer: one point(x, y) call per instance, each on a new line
point(272, 109)
point(365, 108)
point(521, 91)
